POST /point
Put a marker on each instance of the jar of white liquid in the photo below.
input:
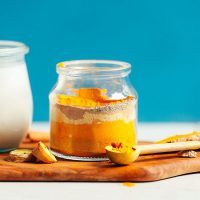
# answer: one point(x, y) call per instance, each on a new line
point(15, 95)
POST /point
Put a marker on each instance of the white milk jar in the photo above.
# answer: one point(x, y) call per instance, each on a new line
point(16, 105)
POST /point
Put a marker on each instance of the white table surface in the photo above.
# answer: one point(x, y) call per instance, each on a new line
point(182, 187)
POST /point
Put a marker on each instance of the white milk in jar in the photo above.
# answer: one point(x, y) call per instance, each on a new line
point(15, 95)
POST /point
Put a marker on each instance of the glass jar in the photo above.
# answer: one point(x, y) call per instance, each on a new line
point(92, 105)
point(15, 92)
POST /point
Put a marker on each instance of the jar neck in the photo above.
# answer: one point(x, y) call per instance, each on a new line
point(11, 51)
point(93, 69)
point(12, 59)
point(92, 82)
point(62, 77)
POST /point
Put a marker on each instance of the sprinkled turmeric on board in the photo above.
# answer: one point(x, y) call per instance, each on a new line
point(128, 184)
point(194, 136)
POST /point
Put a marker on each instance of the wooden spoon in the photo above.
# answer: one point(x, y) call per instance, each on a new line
point(168, 147)
point(128, 155)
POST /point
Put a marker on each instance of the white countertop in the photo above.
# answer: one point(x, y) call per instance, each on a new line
point(182, 187)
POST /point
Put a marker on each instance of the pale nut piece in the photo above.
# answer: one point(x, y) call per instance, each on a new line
point(42, 153)
point(188, 154)
point(124, 155)
point(20, 155)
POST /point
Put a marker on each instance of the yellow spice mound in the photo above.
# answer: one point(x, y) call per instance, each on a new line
point(194, 136)
point(88, 97)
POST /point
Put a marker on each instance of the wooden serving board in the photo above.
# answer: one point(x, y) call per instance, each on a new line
point(147, 168)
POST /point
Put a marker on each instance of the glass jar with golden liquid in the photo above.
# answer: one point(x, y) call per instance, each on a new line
point(92, 104)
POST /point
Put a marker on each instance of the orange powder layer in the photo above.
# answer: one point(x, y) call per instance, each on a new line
point(89, 140)
point(95, 94)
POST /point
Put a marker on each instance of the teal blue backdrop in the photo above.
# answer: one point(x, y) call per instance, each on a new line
point(161, 39)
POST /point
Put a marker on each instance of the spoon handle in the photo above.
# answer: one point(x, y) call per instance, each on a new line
point(168, 147)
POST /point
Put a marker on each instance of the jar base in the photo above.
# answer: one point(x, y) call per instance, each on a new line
point(76, 158)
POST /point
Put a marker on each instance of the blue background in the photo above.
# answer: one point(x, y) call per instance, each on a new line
point(161, 39)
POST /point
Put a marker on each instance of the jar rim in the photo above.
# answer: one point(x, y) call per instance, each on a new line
point(77, 68)
point(11, 48)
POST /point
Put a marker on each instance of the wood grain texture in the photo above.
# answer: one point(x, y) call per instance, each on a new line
point(147, 168)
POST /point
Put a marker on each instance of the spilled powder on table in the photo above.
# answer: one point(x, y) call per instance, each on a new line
point(128, 184)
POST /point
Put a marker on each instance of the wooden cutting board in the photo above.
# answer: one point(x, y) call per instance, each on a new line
point(147, 168)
